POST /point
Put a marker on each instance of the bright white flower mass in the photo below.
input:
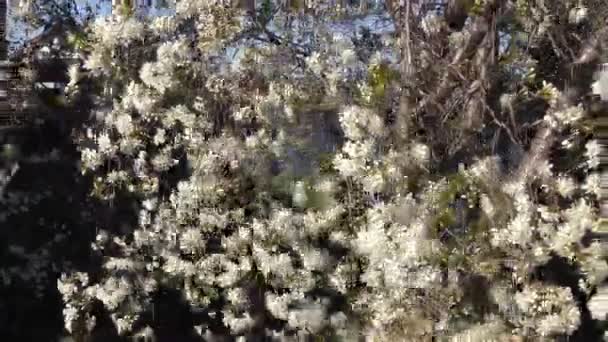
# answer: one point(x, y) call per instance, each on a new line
point(301, 193)
point(565, 186)
point(124, 124)
point(592, 184)
point(356, 120)
point(156, 76)
point(104, 143)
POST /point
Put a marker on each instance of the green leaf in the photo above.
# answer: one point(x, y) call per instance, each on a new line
point(126, 8)
point(457, 183)
point(477, 8)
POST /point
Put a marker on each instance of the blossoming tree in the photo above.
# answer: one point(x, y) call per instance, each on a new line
point(293, 181)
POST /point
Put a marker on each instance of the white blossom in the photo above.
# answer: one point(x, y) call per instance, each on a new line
point(431, 23)
point(277, 305)
point(311, 317)
point(592, 184)
point(420, 153)
point(74, 75)
point(314, 63)
point(192, 241)
point(238, 324)
point(349, 57)
point(157, 76)
point(565, 186)
point(373, 183)
point(124, 124)
point(70, 315)
point(551, 93)
point(570, 115)
point(104, 143)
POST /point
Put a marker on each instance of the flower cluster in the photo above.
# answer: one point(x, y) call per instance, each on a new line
point(299, 199)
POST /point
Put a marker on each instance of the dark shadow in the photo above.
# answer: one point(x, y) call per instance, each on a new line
point(172, 319)
point(54, 229)
point(105, 329)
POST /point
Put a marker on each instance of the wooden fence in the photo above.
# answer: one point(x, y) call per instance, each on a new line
point(11, 114)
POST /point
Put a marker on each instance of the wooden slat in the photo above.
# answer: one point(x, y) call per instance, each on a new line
point(13, 119)
point(8, 73)
point(3, 43)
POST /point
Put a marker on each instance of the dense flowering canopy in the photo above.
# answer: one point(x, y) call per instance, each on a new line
point(282, 186)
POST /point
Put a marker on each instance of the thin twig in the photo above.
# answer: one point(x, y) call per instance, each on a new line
point(501, 124)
